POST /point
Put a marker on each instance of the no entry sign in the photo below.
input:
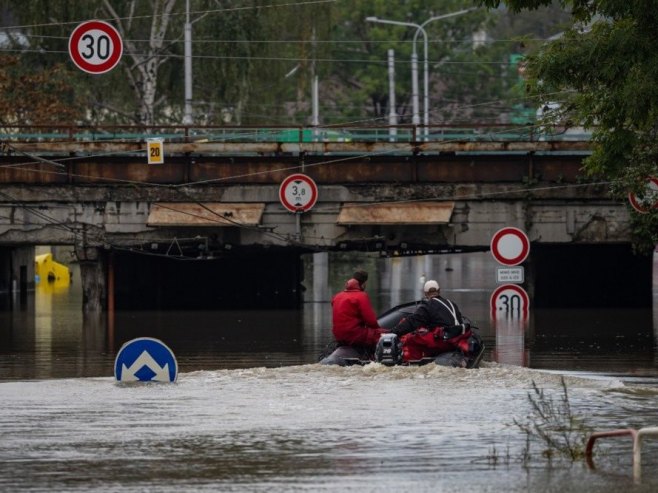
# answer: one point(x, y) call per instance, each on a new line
point(510, 246)
point(95, 47)
point(298, 193)
point(510, 301)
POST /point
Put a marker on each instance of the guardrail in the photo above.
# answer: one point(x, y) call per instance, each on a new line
point(289, 134)
point(637, 436)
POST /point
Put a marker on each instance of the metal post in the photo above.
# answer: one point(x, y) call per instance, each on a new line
point(415, 119)
point(298, 226)
point(392, 115)
point(316, 101)
point(187, 115)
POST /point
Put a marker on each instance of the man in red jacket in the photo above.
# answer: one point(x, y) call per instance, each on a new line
point(354, 320)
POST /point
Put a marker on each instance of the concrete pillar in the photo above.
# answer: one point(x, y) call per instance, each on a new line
point(93, 279)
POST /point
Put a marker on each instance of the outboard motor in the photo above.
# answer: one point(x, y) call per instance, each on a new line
point(389, 350)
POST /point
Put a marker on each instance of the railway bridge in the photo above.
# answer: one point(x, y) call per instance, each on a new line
point(124, 196)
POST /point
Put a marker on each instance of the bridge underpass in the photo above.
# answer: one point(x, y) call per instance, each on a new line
point(212, 210)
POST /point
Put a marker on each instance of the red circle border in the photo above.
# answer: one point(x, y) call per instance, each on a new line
point(108, 29)
point(525, 251)
point(514, 287)
point(304, 178)
point(639, 207)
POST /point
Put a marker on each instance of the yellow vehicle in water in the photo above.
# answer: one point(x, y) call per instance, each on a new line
point(48, 272)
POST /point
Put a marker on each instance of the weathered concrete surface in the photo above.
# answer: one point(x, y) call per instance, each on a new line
point(77, 193)
point(104, 216)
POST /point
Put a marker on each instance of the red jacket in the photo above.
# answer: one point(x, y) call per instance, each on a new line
point(354, 320)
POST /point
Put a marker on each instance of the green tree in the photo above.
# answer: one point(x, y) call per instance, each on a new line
point(361, 66)
point(603, 71)
point(472, 75)
point(127, 94)
point(241, 54)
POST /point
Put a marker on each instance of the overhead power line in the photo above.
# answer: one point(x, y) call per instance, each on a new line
point(183, 14)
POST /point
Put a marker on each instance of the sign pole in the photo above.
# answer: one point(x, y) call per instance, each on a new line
point(298, 226)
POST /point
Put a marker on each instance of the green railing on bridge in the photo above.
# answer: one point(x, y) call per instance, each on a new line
point(289, 134)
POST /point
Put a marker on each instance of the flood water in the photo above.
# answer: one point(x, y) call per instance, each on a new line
point(253, 411)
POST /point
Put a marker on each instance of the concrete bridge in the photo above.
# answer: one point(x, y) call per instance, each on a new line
point(216, 194)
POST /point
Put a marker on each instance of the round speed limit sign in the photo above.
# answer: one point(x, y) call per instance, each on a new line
point(298, 193)
point(509, 301)
point(95, 47)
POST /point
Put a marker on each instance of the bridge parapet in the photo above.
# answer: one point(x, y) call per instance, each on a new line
point(100, 191)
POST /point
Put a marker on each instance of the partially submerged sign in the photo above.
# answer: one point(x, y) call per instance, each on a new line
point(145, 360)
point(510, 302)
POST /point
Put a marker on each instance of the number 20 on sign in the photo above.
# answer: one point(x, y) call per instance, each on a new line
point(155, 151)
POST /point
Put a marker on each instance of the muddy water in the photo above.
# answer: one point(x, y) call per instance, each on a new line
point(252, 411)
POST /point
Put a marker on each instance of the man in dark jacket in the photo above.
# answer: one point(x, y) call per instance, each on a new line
point(354, 320)
point(433, 311)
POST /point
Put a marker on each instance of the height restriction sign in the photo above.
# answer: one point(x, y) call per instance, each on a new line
point(95, 47)
point(298, 193)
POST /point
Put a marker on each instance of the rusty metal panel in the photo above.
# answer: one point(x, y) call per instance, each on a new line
point(393, 214)
point(124, 170)
point(31, 172)
point(205, 214)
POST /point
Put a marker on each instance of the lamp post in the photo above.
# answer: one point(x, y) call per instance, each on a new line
point(420, 28)
point(187, 113)
point(415, 117)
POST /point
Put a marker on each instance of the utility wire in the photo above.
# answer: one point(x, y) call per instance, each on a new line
point(176, 14)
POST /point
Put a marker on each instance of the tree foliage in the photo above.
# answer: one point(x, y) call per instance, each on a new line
point(361, 66)
point(254, 62)
point(44, 97)
point(603, 71)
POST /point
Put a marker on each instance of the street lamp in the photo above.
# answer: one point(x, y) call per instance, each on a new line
point(415, 118)
point(187, 113)
point(420, 28)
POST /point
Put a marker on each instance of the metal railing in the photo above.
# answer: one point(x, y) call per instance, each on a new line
point(290, 134)
point(637, 436)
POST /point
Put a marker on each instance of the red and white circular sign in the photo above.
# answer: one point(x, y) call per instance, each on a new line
point(298, 193)
point(649, 198)
point(510, 301)
point(95, 47)
point(510, 246)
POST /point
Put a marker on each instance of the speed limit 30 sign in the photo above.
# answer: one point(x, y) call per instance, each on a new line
point(510, 301)
point(95, 47)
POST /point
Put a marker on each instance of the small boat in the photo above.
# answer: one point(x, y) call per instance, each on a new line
point(457, 346)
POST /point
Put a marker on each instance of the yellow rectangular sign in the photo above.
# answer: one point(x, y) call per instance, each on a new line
point(155, 151)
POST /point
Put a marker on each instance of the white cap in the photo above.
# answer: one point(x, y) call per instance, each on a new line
point(429, 285)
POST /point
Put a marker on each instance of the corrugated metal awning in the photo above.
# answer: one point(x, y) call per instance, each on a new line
point(205, 214)
point(396, 213)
